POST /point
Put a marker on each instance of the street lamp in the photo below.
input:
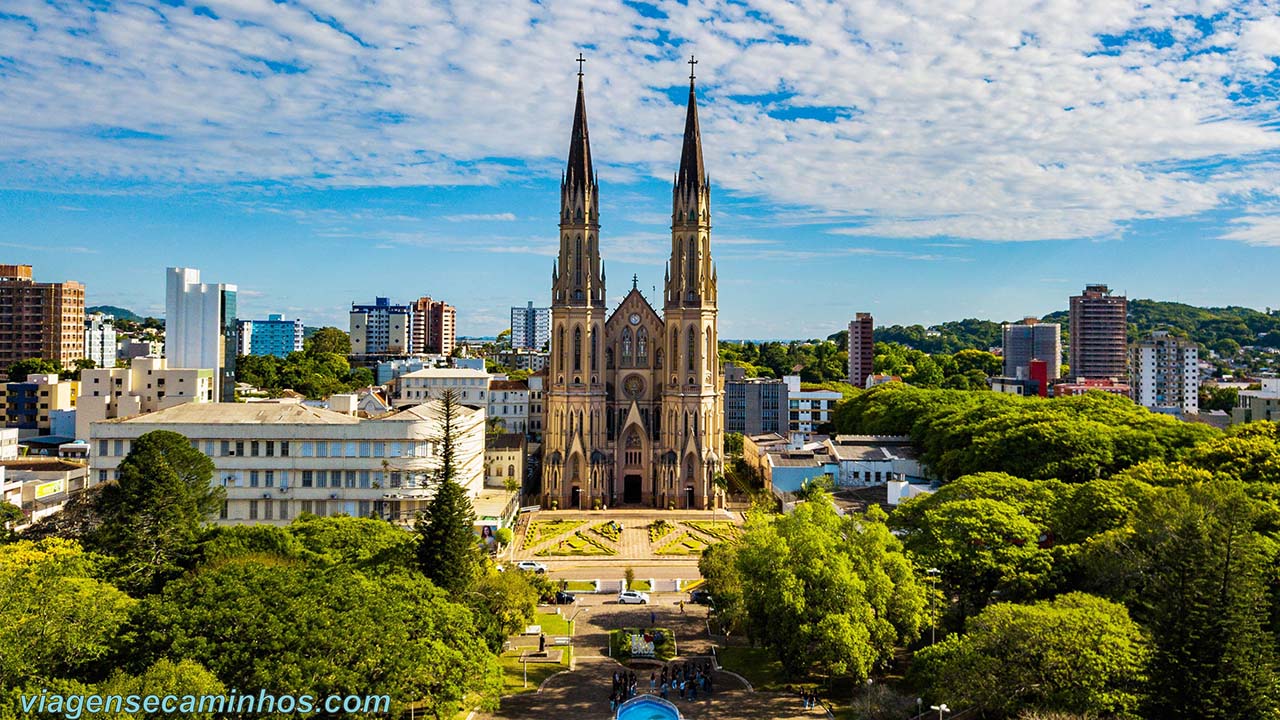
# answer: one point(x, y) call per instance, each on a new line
point(941, 709)
point(572, 627)
point(869, 683)
point(933, 606)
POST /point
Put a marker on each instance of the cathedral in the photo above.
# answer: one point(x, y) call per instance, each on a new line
point(634, 399)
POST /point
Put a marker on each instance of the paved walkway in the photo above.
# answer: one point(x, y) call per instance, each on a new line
point(584, 693)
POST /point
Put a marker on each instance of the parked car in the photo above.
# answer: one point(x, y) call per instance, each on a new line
point(531, 566)
point(701, 597)
point(565, 598)
point(632, 597)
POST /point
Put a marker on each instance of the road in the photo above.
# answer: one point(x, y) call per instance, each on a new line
point(615, 569)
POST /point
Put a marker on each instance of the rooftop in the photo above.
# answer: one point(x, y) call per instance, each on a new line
point(508, 385)
point(240, 413)
point(446, 372)
point(507, 441)
point(45, 464)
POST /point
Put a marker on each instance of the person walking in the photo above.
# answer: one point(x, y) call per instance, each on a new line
point(681, 607)
point(653, 618)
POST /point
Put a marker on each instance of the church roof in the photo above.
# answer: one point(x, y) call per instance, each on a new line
point(579, 172)
point(692, 173)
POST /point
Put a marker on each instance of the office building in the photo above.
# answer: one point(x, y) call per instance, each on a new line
point(34, 404)
point(471, 387)
point(130, 348)
point(39, 320)
point(100, 340)
point(147, 385)
point(1099, 325)
point(273, 336)
point(279, 460)
point(1260, 404)
point(808, 410)
point(861, 349)
point(380, 328)
point(754, 405)
point(530, 327)
point(200, 328)
point(434, 327)
point(1032, 340)
point(1164, 373)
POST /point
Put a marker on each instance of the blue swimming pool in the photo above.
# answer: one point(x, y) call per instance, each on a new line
point(648, 707)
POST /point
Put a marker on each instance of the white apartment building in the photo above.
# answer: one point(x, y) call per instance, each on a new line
point(147, 385)
point(278, 460)
point(536, 389)
point(130, 348)
point(808, 409)
point(470, 385)
point(1164, 374)
point(504, 458)
point(40, 486)
point(381, 328)
point(509, 403)
point(200, 328)
point(100, 339)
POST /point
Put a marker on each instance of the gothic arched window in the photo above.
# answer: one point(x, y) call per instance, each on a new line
point(577, 264)
point(577, 348)
point(626, 347)
point(693, 265)
point(594, 362)
point(692, 347)
point(642, 348)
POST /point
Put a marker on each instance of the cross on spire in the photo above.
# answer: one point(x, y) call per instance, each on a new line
point(692, 62)
point(580, 60)
point(635, 280)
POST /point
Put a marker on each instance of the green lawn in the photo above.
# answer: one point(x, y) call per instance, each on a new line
point(547, 529)
point(552, 624)
point(641, 585)
point(620, 643)
point(659, 529)
point(684, 544)
point(513, 671)
point(580, 586)
point(757, 665)
point(577, 544)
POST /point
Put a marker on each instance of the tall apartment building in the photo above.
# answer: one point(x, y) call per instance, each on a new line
point(1099, 323)
point(1164, 374)
point(147, 385)
point(380, 328)
point(39, 320)
point(273, 336)
point(278, 460)
point(200, 328)
point(530, 327)
point(754, 405)
point(861, 349)
point(1032, 340)
point(100, 340)
point(434, 327)
point(808, 409)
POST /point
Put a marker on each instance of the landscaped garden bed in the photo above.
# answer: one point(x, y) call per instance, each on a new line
point(546, 529)
point(608, 530)
point(620, 645)
point(577, 544)
point(724, 531)
point(659, 529)
point(685, 543)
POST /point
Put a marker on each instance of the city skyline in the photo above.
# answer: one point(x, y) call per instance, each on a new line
point(921, 168)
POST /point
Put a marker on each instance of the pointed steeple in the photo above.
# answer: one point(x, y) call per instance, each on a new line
point(692, 173)
point(580, 173)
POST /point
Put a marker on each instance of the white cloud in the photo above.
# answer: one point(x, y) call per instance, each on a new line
point(1011, 121)
point(1260, 230)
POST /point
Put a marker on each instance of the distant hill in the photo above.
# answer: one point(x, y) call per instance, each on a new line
point(1223, 329)
point(118, 313)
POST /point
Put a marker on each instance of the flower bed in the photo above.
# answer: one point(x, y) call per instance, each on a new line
point(547, 529)
point(576, 544)
point(685, 543)
point(724, 531)
point(608, 530)
point(659, 529)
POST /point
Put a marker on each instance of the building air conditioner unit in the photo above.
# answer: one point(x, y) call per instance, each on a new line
point(266, 495)
point(283, 488)
point(333, 496)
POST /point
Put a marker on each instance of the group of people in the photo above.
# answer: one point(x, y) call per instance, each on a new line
point(687, 679)
point(810, 699)
point(624, 688)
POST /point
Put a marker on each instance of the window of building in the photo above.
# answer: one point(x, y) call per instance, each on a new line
point(268, 507)
point(307, 479)
point(284, 509)
point(253, 478)
point(253, 509)
point(270, 478)
point(322, 449)
point(254, 448)
point(102, 448)
point(222, 511)
point(271, 448)
point(240, 448)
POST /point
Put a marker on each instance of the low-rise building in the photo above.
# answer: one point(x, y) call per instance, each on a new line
point(8, 443)
point(537, 382)
point(32, 405)
point(273, 336)
point(524, 359)
point(1261, 404)
point(279, 460)
point(875, 459)
point(1015, 386)
point(388, 370)
point(807, 410)
point(1082, 385)
point(130, 348)
point(753, 406)
point(504, 459)
point(470, 386)
point(147, 385)
point(41, 486)
point(509, 405)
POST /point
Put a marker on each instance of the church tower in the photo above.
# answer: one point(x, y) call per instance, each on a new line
point(574, 463)
point(693, 403)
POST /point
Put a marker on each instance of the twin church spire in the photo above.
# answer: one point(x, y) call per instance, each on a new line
point(579, 277)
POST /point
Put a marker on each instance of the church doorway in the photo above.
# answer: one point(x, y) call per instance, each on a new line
point(576, 500)
point(631, 489)
point(688, 497)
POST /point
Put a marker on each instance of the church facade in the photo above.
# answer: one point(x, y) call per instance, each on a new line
point(634, 398)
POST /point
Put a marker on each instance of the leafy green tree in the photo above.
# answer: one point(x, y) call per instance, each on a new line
point(165, 677)
point(504, 603)
point(719, 565)
point(448, 549)
point(842, 596)
point(365, 543)
point(56, 618)
point(151, 518)
point(1076, 653)
point(10, 515)
point(299, 628)
point(18, 371)
point(328, 340)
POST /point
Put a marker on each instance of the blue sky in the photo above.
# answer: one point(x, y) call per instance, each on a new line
point(922, 161)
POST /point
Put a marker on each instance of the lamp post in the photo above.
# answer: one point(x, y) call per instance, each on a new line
point(933, 606)
point(524, 664)
point(919, 709)
point(941, 709)
point(869, 683)
point(573, 628)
